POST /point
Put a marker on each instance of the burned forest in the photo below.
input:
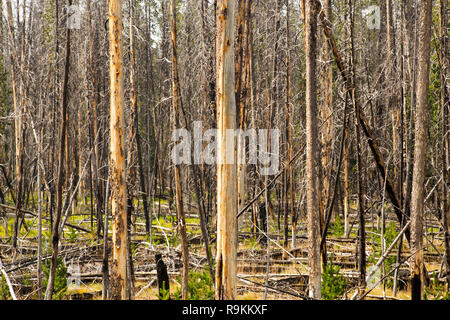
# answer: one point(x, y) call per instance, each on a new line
point(224, 150)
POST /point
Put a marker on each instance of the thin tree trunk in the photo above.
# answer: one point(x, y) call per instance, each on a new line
point(327, 132)
point(177, 105)
point(312, 161)
point(362, 232)
point(94, 126)
point(39, 186)
point(60, 181)
point(106, 292)
point(17, 124)
point(290, 194)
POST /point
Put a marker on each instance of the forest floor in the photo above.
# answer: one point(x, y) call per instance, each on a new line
point(284, 274)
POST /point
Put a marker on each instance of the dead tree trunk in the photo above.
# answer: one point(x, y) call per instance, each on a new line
point(177, 104)
point(312, 161)
point(94, 127)
point(17, 124)
point(119, 279)
point(60, 181)
point(420, 150)
point(226, 152)
point(445, 135)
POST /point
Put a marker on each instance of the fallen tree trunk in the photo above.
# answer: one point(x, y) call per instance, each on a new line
point(35, 215)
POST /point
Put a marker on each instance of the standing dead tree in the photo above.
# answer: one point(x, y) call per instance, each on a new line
point(420, 150)
point(312, 161)
point(60, 179)
point(119, 274)
point(226, 155)
point(176, 105)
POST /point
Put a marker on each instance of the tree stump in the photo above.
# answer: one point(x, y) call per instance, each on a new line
point(163, 278)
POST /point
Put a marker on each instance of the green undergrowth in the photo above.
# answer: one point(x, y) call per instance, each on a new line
point(200, 286)
point(389, 235)
point(333, 283)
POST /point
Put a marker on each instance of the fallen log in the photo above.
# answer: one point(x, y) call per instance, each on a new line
point(35, 215)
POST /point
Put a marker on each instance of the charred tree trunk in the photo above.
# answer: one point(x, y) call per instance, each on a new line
point(60, 181)
point(177, 105)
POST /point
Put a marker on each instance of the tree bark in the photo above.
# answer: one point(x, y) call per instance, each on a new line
point(119, 279)
point(327, 128)
point(18, 120)
point(420, 150)
point(312, 161)
point(445, 135)
point(60, 181)
point(226, 168)
point(94, 126)
point(177, 105)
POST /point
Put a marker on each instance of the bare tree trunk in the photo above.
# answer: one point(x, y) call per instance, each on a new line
point(106, 292)
point(39, 186)
point(119, 279)
point(60, 181)
point(290, 194)
point(17, 124)
point(420, 149)
point(241, 94)
point(391, 96)
point(346, 185)
point(362, 232)
point(226, 152)
point(94, 127)
point(445, 135)
point(312, 161)
point(131, 159)
point(177, 104)
point(327, 128)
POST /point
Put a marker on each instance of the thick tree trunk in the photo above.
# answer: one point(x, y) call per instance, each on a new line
point(445, 135)
point(226, 152)
point(420, 150)
point(312, 161)
point(119, 279)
